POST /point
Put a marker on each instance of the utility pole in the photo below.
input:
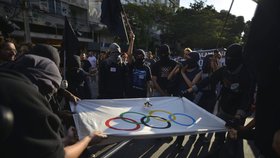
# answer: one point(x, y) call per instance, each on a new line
point(27, 37)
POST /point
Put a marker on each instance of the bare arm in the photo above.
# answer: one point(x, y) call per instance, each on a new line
point(71, 97)
point(174, 71)
point(186, 79)
point(197, 78)
point(75, 150)
point(130, 47)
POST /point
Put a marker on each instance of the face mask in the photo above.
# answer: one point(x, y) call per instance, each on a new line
point(139, 58)
point(164, 57)
point(191, 63)
point(232, 63)
point(139, 61)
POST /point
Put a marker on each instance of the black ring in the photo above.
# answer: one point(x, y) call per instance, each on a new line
point(144, 123)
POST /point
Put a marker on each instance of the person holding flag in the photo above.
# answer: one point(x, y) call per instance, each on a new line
point(112, 72)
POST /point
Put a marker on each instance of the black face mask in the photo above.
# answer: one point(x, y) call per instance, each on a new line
point(139, 58)
point(191, 63)
point(139, 61)
point(164, 57)
point(232, 63)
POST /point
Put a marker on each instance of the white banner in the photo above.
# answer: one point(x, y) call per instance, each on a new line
point(129, 118)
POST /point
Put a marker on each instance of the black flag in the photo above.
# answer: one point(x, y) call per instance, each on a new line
point(70, 41)
point(111, 15)
point(69, 47)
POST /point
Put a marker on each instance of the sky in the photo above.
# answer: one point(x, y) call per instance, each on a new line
point(245, 8)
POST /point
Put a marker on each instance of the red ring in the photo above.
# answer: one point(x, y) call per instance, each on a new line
point(107, 123)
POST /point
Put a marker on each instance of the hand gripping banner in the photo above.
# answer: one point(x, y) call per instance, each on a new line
point(123, 119)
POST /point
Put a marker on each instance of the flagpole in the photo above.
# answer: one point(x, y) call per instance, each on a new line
point(126, 19)
point(125, 31)
point(64, 65)
point(124, 16)
point(70, 45)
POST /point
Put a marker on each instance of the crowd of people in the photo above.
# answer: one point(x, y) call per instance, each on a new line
point(36, 115)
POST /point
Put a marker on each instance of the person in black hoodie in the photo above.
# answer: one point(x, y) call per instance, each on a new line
point(77, 77)
point(112, 72)
point(160, 71)
point(40, 64)
point(112, 75)
point(35, 128)
point(138, 76)
point(262, 55)
point(236, 93)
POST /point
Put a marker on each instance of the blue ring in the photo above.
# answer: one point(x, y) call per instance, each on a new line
point(193, 120)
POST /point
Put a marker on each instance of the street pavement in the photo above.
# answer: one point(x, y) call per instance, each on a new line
point(166, 147)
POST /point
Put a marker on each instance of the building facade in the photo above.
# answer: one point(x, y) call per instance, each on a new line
point(169, 3)
point(42, 21)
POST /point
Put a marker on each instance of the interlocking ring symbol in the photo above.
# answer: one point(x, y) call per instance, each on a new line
point(145, 119)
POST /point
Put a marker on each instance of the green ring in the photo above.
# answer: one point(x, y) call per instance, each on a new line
point(169, 113)
point(122, 117)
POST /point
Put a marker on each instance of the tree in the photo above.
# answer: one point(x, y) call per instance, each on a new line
point(146, 20)
point(199, 26)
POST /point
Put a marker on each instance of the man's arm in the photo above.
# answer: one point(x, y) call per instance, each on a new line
point(130, 47)
point(75, 150)
point(213, 79)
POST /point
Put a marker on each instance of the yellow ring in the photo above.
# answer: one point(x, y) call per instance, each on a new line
point(173, 116)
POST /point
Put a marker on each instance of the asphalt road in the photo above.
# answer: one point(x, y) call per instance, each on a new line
point(193, 147)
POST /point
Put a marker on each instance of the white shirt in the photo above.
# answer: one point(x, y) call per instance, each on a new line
point(92, 60)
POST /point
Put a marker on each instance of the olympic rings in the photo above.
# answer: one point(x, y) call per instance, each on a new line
point(146, 119)
point(193, 120)
point(126, 120)
point(107, 123)
point(165, 120)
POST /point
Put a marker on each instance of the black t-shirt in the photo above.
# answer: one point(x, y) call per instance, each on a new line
point(35, 126)
point(111, 79)
point(137, 78)
point(85, 65)
point(161, 70)
point(236, 91)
